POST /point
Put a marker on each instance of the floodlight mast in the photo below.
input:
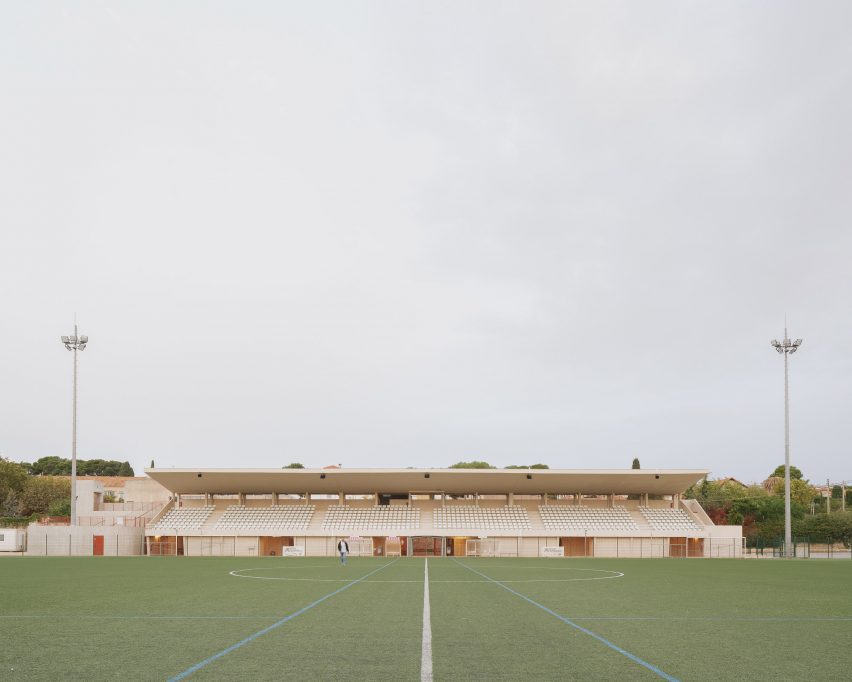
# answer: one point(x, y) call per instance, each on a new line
point(74, 343)
point(787, 347)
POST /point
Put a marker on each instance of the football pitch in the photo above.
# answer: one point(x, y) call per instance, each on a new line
point(166, 618)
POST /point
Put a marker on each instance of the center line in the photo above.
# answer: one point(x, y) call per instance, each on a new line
point(426, 655)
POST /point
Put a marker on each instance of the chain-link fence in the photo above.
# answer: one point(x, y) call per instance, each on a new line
point(800, 548)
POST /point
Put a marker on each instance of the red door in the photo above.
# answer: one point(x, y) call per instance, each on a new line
point(98, 545)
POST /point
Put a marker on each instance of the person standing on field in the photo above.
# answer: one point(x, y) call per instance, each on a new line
point(343, 548)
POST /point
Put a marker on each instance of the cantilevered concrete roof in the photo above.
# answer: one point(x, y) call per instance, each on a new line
point(453, 481)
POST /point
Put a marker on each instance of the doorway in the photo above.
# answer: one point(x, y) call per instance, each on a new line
point(426, 546)
point(577, 546)
point(677, 547)
point(97, 545)
point(271, 545)
point(379, 546)
point(457, 546)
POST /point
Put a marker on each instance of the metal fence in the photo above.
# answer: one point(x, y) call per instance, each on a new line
point(802, 548)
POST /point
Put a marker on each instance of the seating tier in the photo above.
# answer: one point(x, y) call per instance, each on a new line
point(578, 518)
point(382, 517)
point(484, 518)
point(277, 517)
point(668, 520)
point(188, 518)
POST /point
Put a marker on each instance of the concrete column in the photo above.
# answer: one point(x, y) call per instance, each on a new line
point(341, 498)
point(241, 498)
point(274, 499)
point(610, 500)
point(577, 498)
point(510, 499)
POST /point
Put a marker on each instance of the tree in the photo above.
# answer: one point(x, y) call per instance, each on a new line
point(51, 466)
point(718, 500)
point(795, 472)
point(472, 465)
point(13, 478)
point(635, 465)
point(836, 492)
point(41, 491)
point(828, 528)
point(527, 466)
point(59, 466)
point(801, 492)
point(294, 465)
point(61, 507)
point(152, 464)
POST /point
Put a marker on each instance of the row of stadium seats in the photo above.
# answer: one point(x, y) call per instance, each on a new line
point(384, 516)
point(280, 517)
point(486, 518)
point(564, 517)
point(296, 517)
point(668, 519)
point(190, 518)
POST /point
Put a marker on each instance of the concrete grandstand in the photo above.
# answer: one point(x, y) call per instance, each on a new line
point(434, 512)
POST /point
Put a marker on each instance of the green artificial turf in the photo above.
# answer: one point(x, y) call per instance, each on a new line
point(154, 618)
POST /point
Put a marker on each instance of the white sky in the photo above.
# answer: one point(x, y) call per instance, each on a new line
point(406, 234)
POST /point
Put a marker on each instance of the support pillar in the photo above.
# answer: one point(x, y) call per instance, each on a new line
point(510, 500)
point(274, 499)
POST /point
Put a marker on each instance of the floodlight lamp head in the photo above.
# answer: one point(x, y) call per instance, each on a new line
point(775, 343)
point(793, 349)
point(82, 346)
point(797, 343)
point(65, 339)
point(84, 338)
point(779, 349)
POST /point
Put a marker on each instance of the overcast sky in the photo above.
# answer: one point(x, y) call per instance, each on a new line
point(401, 234)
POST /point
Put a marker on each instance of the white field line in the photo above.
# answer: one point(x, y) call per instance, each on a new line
point(667, 619)
point(426, 650)
point(609, 575)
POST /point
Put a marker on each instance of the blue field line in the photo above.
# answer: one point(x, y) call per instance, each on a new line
point(568, 621)
point(189, 671)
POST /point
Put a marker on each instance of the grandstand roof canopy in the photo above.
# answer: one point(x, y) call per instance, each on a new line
point(452, 481)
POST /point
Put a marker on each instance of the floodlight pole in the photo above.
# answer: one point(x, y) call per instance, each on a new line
point(74, 343)
point(786, 347)
point(788, 522)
